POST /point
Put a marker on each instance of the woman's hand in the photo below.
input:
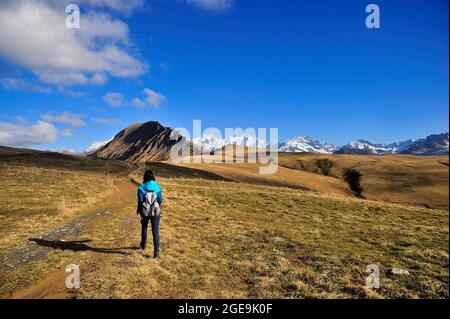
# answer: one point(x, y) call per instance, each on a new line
point(139, 216)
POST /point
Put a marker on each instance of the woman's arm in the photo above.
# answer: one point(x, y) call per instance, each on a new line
point(140, 199)
point(159, 197)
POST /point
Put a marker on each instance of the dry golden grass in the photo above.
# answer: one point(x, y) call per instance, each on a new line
point(234, 240)
point(220, 239)
point(243, 170)
point(409, 180)
point(34, 199)
point(249, 173)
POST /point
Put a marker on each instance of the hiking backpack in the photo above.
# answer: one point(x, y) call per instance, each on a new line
point(150, 206)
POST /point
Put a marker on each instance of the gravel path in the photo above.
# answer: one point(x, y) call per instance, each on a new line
point(40, 246)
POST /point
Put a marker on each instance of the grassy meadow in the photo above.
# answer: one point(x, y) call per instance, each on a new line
point(220, 237)
point(420, 181)
point(231, 240)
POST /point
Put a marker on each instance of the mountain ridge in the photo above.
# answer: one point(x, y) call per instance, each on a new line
point(212, 143)
point(305, 144)
point(142, 142)
point(150, 141)
point(434, 144)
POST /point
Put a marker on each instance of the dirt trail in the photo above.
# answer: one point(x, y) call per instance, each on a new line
point(51, 287)
point(79, 236)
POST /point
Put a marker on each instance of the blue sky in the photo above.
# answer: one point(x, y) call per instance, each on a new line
point(304, 67)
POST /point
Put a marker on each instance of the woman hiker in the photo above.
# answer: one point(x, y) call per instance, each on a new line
point(148, 209)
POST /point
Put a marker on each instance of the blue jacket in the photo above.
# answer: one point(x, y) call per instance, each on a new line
point(150, 186)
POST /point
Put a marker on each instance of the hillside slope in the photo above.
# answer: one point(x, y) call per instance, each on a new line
point(402, 179)
point(408, 180)
point(142, 142)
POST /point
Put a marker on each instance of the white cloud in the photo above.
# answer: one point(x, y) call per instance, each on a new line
point(66, 118)
point(120, 6)
point(71, 93)
point(212, 5)
point(114, 99)
point(154, 99)
point(25, 135)
point(150, 99)
point(67, 133)
point(33, 35)
point(104, 121)
point(69, 78)
point(22, 85)
point(98, 78)
point(138, 102)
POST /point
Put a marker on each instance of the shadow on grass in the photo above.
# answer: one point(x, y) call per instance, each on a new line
point(80, 245)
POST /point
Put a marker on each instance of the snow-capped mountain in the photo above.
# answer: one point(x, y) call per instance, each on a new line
point(209, 142)
point(399, 147)
point(212, 143)
point(96, 145)
point(306, 144)
point(437, 144)
point(363, 147)
point(246, 140)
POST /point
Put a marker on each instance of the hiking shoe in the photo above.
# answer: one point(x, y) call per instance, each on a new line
point(142, 245)
point(156, 255)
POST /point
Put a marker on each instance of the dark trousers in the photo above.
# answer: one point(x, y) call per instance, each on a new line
point(154, 220)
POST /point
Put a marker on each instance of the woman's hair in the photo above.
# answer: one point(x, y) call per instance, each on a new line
point(148, 176)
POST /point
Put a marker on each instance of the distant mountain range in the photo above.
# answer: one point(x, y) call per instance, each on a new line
point(151, 141)
point(211, 143)
point(436, 144)
point(305, 144)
